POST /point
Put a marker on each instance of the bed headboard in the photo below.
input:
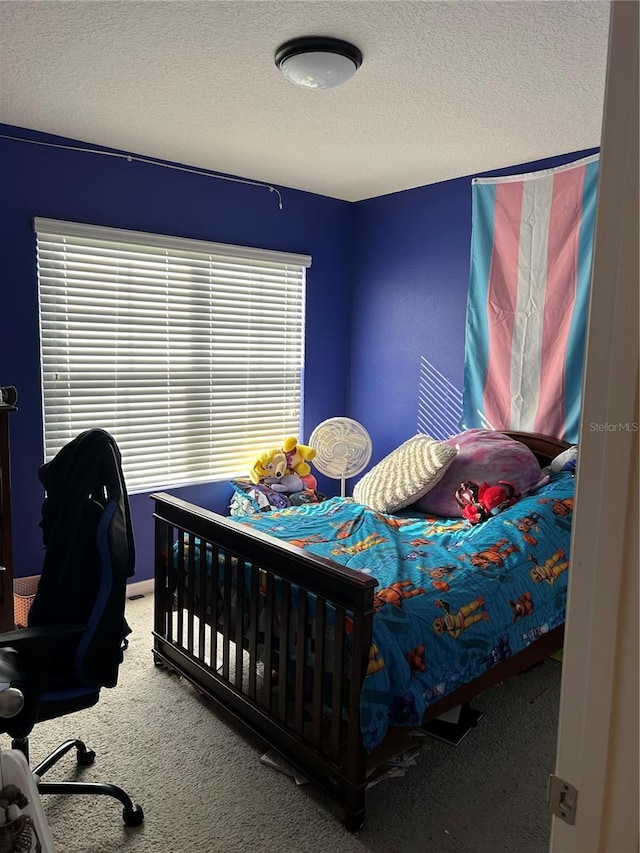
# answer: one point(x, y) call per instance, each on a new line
point(545, 447)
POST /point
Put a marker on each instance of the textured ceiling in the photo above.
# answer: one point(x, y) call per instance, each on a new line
point(446, 88)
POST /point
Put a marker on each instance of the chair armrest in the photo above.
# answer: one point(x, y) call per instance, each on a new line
point(25, 665)
point(39, 634)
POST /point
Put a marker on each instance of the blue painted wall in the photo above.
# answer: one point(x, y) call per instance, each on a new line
point(84, 187)
point(410, 288)
point(386, 295)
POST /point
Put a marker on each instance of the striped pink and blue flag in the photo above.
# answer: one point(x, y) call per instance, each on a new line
point(531, 251)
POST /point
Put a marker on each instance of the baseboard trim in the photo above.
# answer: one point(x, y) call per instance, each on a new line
point(140, 588)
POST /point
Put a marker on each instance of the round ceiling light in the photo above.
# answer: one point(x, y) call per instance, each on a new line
point(318, 62)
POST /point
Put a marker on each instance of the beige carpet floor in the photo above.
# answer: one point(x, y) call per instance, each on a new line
point(200, 781)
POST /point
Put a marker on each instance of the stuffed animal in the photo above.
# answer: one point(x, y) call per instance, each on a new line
point(285, 469)
point(478, 503)
point(287, 483)
point(298, 456)
point(272, 464)
point(309, 482)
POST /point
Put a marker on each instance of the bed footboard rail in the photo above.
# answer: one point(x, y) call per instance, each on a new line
point(276, 635)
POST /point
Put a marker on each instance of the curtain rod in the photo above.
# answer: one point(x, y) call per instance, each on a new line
point(132, 158)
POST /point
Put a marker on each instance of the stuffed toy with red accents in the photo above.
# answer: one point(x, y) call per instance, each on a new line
point(478, 503)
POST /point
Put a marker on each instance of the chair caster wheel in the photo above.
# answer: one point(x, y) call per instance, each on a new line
point(133, 816)
point(85, 758)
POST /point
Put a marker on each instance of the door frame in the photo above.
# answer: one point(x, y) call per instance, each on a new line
point(597, 749)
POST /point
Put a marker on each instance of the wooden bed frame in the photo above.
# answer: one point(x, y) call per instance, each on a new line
point(317, 726)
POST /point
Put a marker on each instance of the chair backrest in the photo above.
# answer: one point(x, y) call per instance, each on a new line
point(90, 554)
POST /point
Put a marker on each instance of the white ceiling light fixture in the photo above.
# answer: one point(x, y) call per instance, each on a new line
point(318, 62)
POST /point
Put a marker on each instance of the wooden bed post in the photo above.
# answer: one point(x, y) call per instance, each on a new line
point(356, 753)
point(162, 597)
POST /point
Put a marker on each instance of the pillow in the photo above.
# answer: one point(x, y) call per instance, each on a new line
point(406, 474)
point(485, 456)
point(563, 461)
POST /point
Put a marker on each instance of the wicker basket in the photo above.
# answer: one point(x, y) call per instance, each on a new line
point(24, 591)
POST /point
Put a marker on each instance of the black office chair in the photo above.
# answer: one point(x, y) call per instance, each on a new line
point(76, 634)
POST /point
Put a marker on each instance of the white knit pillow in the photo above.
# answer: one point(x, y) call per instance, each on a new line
point(405, 475)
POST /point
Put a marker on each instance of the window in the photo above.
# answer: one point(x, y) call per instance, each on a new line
point(189, 353)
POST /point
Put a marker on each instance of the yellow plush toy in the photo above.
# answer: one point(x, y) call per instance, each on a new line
point(271, 464)
point(298, 456)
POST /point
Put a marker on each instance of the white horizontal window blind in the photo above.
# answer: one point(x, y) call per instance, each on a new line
point(189, 353)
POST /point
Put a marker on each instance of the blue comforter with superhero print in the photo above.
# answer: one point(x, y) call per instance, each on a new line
point(452, 600)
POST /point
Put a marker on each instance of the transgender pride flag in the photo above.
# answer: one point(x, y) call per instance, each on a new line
point(531, 248)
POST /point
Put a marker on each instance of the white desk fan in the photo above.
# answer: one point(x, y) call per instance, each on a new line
point(343, 447)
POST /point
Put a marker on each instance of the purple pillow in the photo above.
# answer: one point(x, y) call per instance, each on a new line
point(485, 457)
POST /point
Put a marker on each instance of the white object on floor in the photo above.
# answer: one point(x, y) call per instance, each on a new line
point(273, 759)
point(27, 821)
point(451, 716)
